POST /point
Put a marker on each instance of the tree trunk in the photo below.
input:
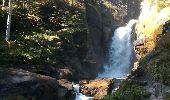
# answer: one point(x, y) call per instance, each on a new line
point(3, 3)
point(9, 21)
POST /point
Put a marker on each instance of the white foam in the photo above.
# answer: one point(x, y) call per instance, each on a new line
point(80, 96)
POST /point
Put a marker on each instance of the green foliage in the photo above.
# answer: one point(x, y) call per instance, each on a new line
point(157, 62)
point(128, 91)
point(33, 25)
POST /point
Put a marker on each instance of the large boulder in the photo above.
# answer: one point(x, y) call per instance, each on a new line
point(97, 88)
point(18, 83)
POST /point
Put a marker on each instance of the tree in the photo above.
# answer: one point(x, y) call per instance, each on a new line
point(3, 3)
point(9, 21)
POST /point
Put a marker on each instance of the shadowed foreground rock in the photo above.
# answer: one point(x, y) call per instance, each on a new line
point(23, 85)
point(97, 88)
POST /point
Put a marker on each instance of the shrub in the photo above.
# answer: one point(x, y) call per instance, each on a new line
point(129, 90)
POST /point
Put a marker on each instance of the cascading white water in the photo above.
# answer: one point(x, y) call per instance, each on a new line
point(120, 53)
point(119, 57)
point(80, 96)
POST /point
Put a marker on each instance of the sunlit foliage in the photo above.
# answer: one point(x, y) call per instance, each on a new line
point(42, 32)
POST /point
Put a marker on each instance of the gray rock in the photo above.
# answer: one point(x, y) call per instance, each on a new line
point(18, 82)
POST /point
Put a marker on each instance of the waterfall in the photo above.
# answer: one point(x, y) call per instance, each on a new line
point(120, 53)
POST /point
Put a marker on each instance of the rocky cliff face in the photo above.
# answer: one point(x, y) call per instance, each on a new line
point(152, 32)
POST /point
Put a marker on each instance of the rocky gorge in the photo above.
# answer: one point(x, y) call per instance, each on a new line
point(77, 53)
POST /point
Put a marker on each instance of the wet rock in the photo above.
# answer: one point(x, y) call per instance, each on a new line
point(97, 88)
